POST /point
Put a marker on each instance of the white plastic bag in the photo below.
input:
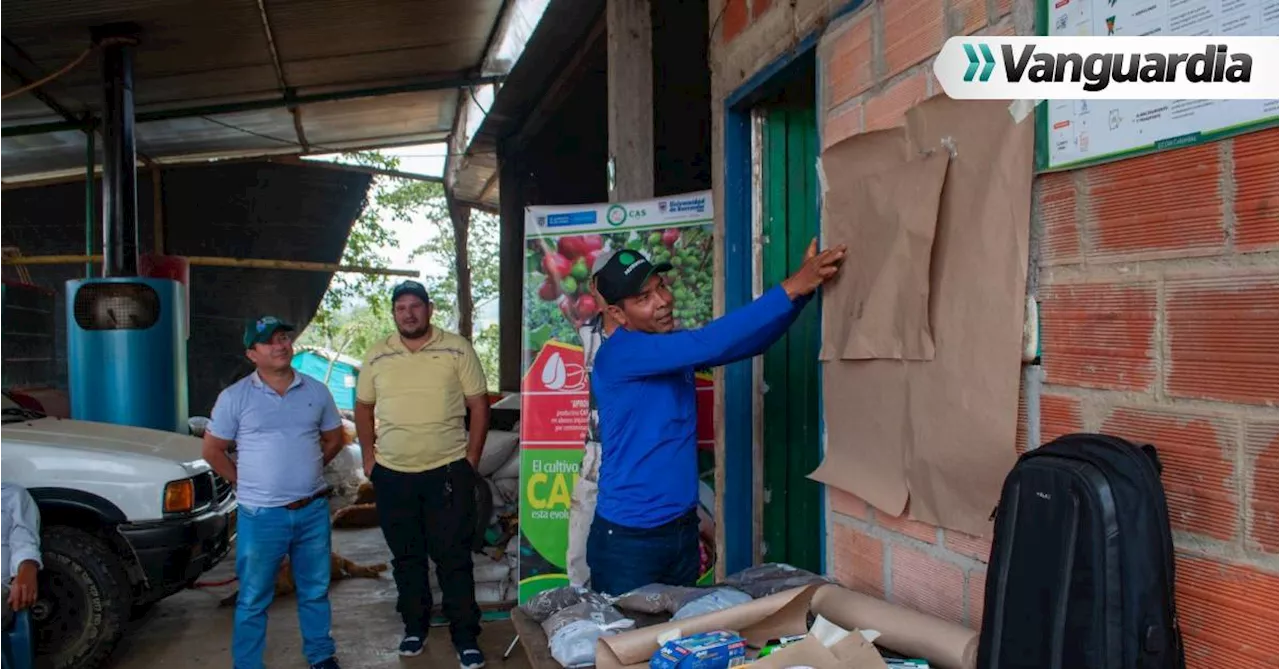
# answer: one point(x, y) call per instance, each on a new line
point(345, 473)
point(575, 644)
point(572, 633)
point(716, 599)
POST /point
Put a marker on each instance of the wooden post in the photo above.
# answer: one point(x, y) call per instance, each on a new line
point(460, 215)
point(157, 210)
point(511, 201)
point(630, 75)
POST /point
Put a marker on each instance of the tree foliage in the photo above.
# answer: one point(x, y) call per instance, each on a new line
point(482, 244)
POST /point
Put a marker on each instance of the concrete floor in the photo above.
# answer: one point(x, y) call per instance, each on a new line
point(190, 629)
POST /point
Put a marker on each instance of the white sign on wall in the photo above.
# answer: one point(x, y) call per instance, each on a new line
point(1078, 132)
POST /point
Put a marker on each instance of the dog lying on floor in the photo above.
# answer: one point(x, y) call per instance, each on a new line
point(339, 568)
point(363, 512)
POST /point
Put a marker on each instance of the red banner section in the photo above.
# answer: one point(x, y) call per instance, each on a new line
point(555, 401)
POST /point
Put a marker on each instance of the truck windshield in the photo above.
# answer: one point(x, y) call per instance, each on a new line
point(16, 413)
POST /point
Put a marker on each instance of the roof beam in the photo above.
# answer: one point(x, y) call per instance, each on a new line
point(285, 89)
point(218, 261)
point(273, 103)
point(39, 93)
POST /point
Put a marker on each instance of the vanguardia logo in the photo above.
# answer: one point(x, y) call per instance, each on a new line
point(988, 62)
point(1072, 68)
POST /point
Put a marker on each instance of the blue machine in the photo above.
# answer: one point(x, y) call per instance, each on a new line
point(127, 351)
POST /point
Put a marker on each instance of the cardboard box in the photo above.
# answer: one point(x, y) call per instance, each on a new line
point(710, 650)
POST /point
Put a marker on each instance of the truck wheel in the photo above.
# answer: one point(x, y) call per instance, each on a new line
point(83, 602)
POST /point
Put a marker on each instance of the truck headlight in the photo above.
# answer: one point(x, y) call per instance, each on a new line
point(179, 496)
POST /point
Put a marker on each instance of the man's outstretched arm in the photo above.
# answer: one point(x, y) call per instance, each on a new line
point(742, 333)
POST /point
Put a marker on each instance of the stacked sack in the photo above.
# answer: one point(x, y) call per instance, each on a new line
point(492, 577)
point(500, 468)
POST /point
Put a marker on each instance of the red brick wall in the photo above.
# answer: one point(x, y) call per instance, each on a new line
point(1158, 286)
point(1158, 289)
point(1157, 278)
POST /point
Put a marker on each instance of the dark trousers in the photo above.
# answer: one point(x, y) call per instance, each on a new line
point(625, 558)
point(432, 514)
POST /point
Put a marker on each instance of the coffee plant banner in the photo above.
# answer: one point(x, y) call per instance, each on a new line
point(561, 245)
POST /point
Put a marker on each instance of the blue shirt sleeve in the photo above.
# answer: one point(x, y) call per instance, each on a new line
point(771, 332)
point(224, 423)
point(732, 336)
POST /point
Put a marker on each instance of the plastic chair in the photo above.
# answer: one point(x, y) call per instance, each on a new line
point(19, 647)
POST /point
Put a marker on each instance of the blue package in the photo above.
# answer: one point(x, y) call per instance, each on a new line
point(711, 650)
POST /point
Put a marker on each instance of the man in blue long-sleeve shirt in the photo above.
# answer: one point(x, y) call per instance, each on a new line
point(646, 524)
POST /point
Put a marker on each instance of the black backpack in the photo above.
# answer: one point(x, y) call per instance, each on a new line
point(1081, 569)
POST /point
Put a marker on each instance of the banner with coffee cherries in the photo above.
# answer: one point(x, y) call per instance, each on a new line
point(561, 246)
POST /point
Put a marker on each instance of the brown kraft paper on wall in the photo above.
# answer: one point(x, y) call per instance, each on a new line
point(782, 614)
point(885, 295)
point(940, 432)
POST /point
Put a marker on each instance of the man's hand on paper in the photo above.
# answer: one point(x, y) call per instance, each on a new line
point(818, 268)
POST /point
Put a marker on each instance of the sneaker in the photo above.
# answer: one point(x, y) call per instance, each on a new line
point(471, 658)
point(331, 663)
point(411, 646)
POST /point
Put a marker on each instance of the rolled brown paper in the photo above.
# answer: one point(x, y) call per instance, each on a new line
point(758, 621)
point(943, 643)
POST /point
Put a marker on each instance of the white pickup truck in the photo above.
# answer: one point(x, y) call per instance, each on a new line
point(128, 516)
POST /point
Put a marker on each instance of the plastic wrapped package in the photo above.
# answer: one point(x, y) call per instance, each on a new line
point(656, 598)
point(547, 603)
point(714, 599)
point(572, 632)
point(771, 578)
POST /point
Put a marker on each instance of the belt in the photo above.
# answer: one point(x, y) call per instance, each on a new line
point(298, 504)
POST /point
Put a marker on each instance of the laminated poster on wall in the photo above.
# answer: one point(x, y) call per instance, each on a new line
point(1074, 133)
point(561, 245)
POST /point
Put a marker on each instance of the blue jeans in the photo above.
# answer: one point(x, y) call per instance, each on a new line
point(623, 558)
point(266, 536)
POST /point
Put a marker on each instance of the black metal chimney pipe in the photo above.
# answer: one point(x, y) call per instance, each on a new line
point(119, 153)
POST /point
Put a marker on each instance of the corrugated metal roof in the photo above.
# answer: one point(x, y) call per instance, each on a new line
point(565, 25)
point(198, 54)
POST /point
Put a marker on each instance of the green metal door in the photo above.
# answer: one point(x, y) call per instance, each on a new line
point(792, 503)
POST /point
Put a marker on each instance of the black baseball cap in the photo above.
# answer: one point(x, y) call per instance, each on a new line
point(410, 287)
point(259, 331)
point(625, 274)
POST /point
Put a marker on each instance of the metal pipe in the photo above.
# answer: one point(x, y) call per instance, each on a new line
point(90, 159)
point(217, 261)
point(119, 162)
point(258, 105)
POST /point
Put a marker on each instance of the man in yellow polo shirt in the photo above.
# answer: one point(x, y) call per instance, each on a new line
point(412, 395)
